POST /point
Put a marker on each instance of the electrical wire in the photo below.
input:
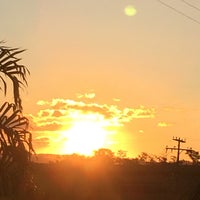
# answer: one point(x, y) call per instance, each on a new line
point(179, 12)
point(191, 5)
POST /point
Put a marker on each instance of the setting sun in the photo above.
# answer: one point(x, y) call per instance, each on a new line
point(85, 136)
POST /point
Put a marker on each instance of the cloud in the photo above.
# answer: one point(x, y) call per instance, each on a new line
point(59, 113)
point(44, 113)
point(55, 118)
point(164, 124)
point(89, 95)
point(140, 112)
point(60, 107)
point(50, 126)
point(42, 102)
point(41, 142)
point(116, 100)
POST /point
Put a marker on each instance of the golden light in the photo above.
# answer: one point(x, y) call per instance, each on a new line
point(85, 136)
point(130, 10)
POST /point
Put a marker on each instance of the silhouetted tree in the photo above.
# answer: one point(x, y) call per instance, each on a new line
point(121, 154)
point(105, 156)
point(148, 158)
point(104, 153)
point(15, 139)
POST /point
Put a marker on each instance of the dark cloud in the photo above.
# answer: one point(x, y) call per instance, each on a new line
point(41, 142)
point(59, 104)
point(44, 113)
point(92, 108)
point(48, 126)
point(146, 113)
point(57, 113)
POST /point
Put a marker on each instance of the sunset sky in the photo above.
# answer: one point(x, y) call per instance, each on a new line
point(118, 74)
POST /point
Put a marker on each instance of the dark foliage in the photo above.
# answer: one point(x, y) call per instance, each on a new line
point(16, 181)
point(79, 178)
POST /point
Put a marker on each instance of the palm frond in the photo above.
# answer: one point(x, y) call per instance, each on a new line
point(11, 54)
point(11, 68)
point(4, 84)
point(13, 126)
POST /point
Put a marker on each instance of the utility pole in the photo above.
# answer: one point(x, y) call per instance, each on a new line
point(179, 145)
point(194, 155)
point(178, 149)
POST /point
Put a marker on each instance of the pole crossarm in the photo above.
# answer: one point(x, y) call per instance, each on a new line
point(175, 148)
point(194, 155)
point(179, 140)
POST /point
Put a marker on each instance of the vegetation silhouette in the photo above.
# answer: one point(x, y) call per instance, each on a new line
point(15, 139)
point(106, 176)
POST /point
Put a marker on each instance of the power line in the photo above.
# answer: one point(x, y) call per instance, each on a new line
point(191, 5)
point(179, 12)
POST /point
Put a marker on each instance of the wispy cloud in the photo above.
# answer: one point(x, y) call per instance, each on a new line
point(60, 114)
point(89, 95)
point(59, 110)
point(116, 99)
point(164, 124)
point(41, 142)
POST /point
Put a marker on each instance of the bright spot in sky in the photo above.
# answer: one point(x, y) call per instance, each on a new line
point(130, 10)
point(85, 137)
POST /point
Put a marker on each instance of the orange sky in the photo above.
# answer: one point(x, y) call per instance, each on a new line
point(137, 77)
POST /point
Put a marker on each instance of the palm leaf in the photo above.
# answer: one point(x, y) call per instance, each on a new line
point(11, 54)
point(4, 84)
point(13, 124)
point(9, 65)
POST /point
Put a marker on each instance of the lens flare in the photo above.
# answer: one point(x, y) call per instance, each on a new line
point(130, 11)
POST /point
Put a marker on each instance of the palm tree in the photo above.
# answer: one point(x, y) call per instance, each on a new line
point(15, 139)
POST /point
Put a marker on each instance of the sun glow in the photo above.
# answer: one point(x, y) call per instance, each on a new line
point(85, 136)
